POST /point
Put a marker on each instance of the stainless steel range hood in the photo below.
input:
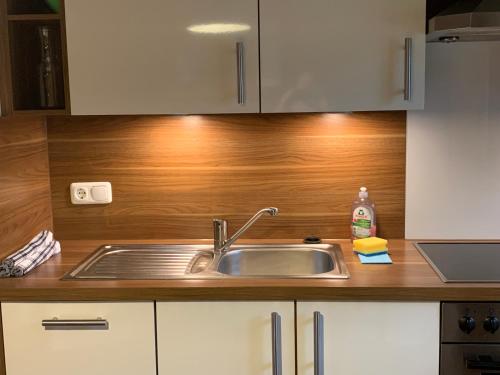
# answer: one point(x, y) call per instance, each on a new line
point(467, 21)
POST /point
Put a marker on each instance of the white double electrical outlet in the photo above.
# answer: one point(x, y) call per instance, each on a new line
point(91, 193)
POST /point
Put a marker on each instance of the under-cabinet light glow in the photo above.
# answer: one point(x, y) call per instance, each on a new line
point(336, 115)
point(193, 120)
point(219, 28)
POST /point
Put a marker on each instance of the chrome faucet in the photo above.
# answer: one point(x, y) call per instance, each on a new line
point(222, 243)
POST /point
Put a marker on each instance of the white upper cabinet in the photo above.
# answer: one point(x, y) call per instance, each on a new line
point(202, 57)
point(163, 56)
point(342, 55)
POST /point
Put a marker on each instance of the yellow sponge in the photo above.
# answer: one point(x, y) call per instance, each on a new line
point(370, 245)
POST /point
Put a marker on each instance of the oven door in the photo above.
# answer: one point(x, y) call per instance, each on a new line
point(470, 359)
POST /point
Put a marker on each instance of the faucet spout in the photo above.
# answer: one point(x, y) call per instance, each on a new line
point(222, 244)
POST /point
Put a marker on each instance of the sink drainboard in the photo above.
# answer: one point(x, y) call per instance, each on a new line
point(143, 262)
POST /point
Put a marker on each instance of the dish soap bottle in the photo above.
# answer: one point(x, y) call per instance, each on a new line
point(363, 216)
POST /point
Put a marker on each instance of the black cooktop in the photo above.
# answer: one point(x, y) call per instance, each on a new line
point(463, 262)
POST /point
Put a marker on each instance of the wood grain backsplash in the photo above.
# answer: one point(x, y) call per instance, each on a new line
point(24, 182)
point(172, 175)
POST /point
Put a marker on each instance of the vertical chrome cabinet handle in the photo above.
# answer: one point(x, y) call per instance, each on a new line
point(408, 68)
point(75, 325)
point(276, 343)
point(319, 358)
point(240, 61)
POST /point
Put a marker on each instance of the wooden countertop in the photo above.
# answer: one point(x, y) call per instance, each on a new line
point(409, 278)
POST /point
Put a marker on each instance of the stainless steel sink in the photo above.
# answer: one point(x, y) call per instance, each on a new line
point(223, 259)
point(201, 262)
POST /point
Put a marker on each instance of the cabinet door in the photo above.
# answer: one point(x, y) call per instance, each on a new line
point(224, 338)
point(341, 55)
point(368, 338)
point(126, 346)
point(162, 56)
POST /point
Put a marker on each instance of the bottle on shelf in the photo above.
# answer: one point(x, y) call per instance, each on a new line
point(47, 71)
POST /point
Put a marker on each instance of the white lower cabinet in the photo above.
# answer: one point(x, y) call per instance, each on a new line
point(86, 338)
point(225, 338)
point(367, 338)
point(222, 338)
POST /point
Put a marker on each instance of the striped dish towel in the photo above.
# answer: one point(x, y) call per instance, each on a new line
point(35, 258)
point(37, 251)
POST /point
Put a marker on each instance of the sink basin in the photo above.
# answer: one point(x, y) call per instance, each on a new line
point(200, 262)
point(289, 261)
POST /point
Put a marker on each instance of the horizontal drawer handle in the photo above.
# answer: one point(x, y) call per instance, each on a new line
point(72, 324)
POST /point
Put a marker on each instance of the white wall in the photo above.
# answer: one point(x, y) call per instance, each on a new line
point(453, 150)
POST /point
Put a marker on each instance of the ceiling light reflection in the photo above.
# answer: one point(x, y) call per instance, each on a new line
point(219, 28)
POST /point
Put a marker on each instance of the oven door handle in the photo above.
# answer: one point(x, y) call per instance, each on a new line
point(482, 365)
